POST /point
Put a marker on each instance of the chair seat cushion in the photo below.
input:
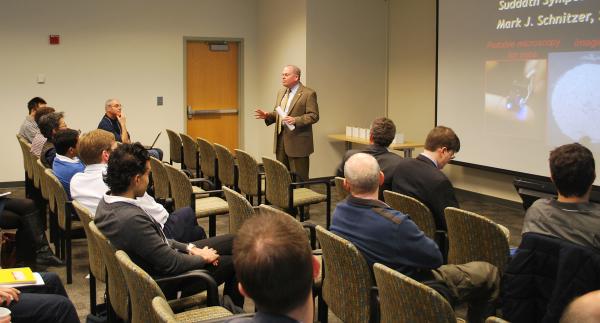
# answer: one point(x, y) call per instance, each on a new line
point(181, 304)
point(211, 206)
point(201, 314)
point(304, 196)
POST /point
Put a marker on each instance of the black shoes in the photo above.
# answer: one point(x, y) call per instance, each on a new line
point(48, 259)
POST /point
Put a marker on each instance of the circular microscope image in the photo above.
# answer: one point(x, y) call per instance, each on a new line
point(576, 102)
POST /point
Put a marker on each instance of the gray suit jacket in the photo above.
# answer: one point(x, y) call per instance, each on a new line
point(304, 108)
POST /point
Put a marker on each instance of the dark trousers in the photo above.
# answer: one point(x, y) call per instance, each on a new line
point(23, 215)
point(48, 303)
point(223, 273)
point(182, 226)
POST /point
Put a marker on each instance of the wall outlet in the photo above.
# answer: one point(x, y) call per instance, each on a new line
point(159, 100)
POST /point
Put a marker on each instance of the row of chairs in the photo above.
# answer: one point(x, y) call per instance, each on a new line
point(349, 287)
point(62, 228)
point(244, 174)
point(130, 290)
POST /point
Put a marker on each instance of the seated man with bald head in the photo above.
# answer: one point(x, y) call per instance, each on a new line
point(386, 236)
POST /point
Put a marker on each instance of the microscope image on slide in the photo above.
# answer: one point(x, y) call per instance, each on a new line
point(515, 96)
point(574, 97)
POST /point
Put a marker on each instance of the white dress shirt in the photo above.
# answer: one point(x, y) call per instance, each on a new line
point(88, 188)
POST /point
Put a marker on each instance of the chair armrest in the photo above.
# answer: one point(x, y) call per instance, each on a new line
point(328, 181)
point(228, 318)
point(211, 290)
point(210, 193)
point(202, 180)
point(313, 233)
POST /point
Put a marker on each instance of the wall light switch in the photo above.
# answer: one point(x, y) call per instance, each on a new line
point(159, 100)
point(41, 78)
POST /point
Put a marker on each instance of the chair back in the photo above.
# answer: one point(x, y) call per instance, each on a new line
point(339, 188)
point(175, 146)
point(97, 267)
point(60, 199)
point(248, 181)
point(36, 170)
point(278, 181)
point(347, 280)
point(117, 286)
point(239, 209)
point(41, 170)
point(418, 212)
point(403, 299)
point(190, 153)
point(181, 188)
point(208, 158)
point(51, 192)
point(160, 178)
point(26, 151)
point(142, 289)
point(472, 237)
point(226, 165)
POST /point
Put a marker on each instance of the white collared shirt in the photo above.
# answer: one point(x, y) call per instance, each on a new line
point(88, 188)
point(432, 160)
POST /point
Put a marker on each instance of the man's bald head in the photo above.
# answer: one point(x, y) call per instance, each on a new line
point(584, 309)
point(362, 174)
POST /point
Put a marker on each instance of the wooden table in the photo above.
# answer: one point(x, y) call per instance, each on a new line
point(407, 147)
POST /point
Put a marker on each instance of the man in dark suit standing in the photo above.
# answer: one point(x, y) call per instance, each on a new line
point(293, 131)
point(422, 178)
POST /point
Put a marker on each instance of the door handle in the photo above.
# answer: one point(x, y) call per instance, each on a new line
point(191, 112)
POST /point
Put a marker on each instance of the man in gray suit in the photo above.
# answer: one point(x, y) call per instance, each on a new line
point(293, 133)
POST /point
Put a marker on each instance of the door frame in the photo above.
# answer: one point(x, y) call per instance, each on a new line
point(241, 108)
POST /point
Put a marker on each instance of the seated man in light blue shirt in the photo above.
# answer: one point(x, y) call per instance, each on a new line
point(66, 164)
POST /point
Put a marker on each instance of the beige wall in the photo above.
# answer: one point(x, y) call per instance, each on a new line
point(346, 63)
point(412, 90)
point(132, 50)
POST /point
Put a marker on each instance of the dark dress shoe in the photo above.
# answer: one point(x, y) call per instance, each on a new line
point(48, 260)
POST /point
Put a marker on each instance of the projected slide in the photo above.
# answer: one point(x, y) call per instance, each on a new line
point(517, 78)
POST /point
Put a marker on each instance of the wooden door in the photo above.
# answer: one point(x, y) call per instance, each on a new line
point(212, 91)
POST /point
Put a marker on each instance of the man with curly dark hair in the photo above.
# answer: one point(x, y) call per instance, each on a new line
point(571, 216)
point(129, 228)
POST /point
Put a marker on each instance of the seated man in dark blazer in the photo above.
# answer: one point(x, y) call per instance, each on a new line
point(422, 178)
point(383, 131)
point(131, 229)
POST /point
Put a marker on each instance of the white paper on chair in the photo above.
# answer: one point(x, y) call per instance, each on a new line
point(283, 115)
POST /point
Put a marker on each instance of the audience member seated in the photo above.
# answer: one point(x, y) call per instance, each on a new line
point(275, 267)
point(584, 309)
point(131, 229)
point(32, 246)
point(88, 188)
point(421, 177)
point(115, 122)
point(382, 134)
point(571, 216)
point(49, 125)
point(387, 236)
point(29, 128)
point(66, 164)
point(39, 140)
point(43, 304)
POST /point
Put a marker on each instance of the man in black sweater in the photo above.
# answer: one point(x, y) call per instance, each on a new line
point(130, 229)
